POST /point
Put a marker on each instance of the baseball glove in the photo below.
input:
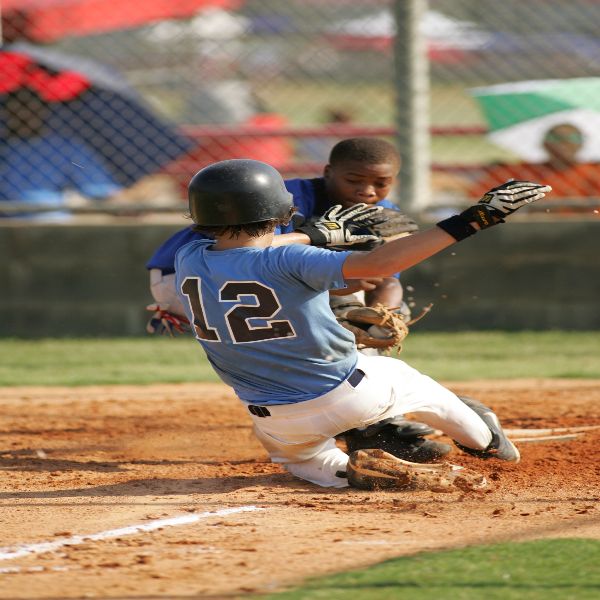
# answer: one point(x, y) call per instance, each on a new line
point(392, 224)
point(389, 225)
point(378, 470)
point(375, 327)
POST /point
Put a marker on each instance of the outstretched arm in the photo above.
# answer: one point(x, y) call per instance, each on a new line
point(403, 253)
point(397, 255)
point(284, 239)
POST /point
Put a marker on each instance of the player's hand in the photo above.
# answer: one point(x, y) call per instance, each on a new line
point(501, 202)
point(512, 195)
point(492, 209)
point(338, 225)
point(164, 322)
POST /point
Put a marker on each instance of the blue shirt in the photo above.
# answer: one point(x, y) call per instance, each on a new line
point(310, 198)
point(263, 318)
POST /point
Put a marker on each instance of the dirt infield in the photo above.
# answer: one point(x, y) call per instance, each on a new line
point(99, 460)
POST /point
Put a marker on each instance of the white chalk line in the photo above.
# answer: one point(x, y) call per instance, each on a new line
point(549, 431)
point(545, 438)
point(519, 435)
point(12, 552)
point(35, 569)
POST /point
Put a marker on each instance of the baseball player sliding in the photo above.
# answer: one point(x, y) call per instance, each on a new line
point(359, 170)
point(262, 315)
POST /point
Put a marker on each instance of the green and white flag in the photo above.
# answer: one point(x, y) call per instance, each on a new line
point(519, 114)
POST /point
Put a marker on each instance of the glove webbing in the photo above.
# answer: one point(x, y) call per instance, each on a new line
point(395, 323)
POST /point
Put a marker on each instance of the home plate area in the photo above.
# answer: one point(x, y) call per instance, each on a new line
point(163, 491)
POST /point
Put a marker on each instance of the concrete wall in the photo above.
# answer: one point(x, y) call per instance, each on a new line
point(516, 276)
point(89, 280)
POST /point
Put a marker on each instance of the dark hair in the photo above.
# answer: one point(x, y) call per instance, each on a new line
point(252, 229)
point(371, 151)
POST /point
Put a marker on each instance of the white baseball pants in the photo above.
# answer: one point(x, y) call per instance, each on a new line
point(301, 436)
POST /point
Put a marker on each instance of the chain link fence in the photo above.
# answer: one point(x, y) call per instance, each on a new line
point(127, 100)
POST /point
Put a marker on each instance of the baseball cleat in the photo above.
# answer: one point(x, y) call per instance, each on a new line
point(404, 428)
point(400, 437)
point(500, 447)
point(421, 451)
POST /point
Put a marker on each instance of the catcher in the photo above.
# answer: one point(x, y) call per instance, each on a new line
point(359, 170)
point(261, 315)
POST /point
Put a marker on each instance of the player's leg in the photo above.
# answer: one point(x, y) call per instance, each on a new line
point(301, 436)
point(500, 446)
point(471, 425)
point(403, 438)
point(327, 468)
point(315, 461)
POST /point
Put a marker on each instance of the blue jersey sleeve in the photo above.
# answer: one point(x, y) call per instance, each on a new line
point(304, 200)
point(164, 257)
point(317, 268)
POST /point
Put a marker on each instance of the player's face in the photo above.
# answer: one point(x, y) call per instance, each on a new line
point(354, 182)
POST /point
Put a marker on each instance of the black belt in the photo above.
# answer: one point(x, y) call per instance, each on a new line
point(259, 411)
point(262, 411)
point(356, 377)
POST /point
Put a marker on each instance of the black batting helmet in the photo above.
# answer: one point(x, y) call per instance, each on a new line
point(238, 192)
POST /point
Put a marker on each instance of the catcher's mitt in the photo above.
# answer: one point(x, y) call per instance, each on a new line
point(393, 224)
point(375, 327)
point(389, 224)
point(378, 470)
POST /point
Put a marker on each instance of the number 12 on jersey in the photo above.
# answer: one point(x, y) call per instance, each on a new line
point(239, 316)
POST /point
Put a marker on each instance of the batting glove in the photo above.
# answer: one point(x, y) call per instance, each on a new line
point(164, 322)
point(512, 195)
point(492, 209)
point(337, 226)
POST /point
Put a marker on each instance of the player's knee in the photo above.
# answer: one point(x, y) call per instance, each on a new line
point(479, 438)
point(324, 469)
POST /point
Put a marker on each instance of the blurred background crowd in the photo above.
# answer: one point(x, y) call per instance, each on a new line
point(105, 105)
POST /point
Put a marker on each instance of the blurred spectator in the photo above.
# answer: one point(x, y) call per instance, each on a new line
point(41, 166)
point(569, 178)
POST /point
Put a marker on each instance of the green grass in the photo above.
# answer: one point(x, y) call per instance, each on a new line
point(102, 361)
point(500, 355)
point(444, 356)
point(564, 569)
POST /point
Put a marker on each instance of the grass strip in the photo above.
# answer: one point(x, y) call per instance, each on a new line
point(559, 569)
point(443, 356)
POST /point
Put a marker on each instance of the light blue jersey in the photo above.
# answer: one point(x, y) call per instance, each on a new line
point(264, 321)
